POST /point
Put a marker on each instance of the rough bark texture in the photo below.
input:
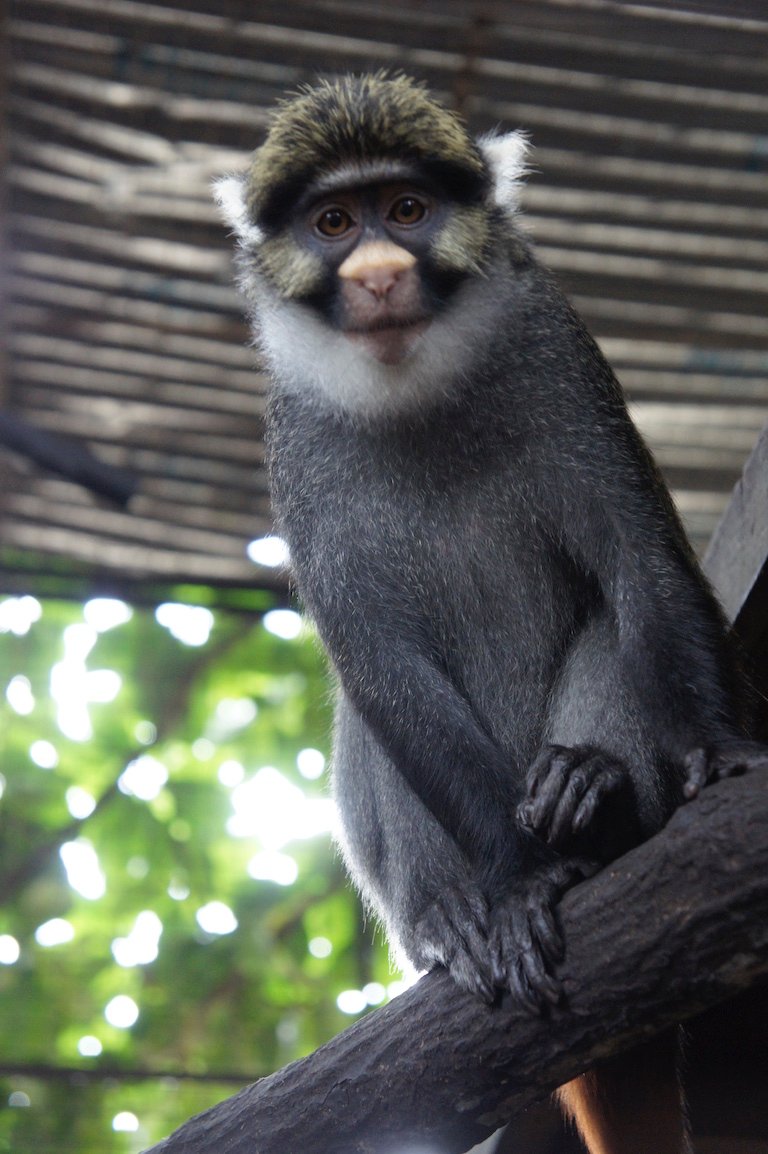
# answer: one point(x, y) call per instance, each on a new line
point(674, 926)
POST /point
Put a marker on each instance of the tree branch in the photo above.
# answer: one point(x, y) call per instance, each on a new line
point(437, 1066)
point(68, 457)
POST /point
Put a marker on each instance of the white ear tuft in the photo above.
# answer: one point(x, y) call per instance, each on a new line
point(505, 156)
point(229, 193)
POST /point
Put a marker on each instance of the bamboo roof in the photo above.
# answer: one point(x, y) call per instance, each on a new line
point(123, 331)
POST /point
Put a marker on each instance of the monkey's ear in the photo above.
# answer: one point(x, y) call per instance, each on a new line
point(229, 193)
point(505, 156)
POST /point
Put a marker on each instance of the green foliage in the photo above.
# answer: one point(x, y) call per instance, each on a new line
point(159, 784)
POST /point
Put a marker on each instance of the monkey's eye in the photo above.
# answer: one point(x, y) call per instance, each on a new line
point(334, 221)
point(408, 210)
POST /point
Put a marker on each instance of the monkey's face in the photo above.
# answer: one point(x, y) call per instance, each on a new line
point(370, 225)
point(378, 278)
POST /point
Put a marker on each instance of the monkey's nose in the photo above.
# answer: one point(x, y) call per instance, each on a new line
point(378, 281)
point(376, 266)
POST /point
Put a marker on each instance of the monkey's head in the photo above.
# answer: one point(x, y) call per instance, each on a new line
point(363, 219)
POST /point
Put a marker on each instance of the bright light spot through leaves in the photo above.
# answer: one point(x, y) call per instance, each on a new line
point(9, 950)
point(216, 918)
point(271, 552)
point(84, 873)
point(310, 763)
point(352, 1001)
point(80, 802)
point(230, 772)
point(44, 754)
point(143, 778)
point(145, 732)
point(355, 1001)
point(140, 947)
point(73, 687)
point(190, 624)
point(274, 810)
point(79, 640)
point(125, 1121)
point(55, 932)
point(273, 866)
point(89, 1046)
point(203, 749)
point(234, 713)
point(374, 993)
point(19, 694)
point(17, 614)
point(122, 1012)
point(103, 613)
point(320, 947)
point(284, 623)
point(102, 685)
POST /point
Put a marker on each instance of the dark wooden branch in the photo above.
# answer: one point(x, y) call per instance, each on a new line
point(67, 457)
point(439, 1067)
point(677, 925)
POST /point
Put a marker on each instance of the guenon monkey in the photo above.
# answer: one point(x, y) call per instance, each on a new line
point(532, 672)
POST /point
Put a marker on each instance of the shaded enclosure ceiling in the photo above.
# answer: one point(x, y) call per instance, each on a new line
point(123, 330)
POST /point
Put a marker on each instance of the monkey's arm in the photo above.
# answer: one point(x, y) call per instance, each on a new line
point(354, 564)
point(499, 930)
point(646, 708)
point(431, 738)
point(664, 645)
point(421, 720)
point(647, 705)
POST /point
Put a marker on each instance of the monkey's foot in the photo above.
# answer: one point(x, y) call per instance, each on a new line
point(525, 938)
point(567, 787)
point(453, 932)
point(710, 763)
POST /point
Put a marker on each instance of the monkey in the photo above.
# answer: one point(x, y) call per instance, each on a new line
point(532, 672)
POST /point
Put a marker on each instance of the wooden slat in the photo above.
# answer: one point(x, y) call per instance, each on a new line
point(648, 199)
point(737, 559)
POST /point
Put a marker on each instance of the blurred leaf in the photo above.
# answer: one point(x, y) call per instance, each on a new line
point(242, 1002)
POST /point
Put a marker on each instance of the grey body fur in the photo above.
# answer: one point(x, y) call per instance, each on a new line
point(532, 671)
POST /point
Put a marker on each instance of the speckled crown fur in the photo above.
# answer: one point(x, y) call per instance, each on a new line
point(357, 119)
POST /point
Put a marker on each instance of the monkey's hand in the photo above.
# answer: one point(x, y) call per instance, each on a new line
point(453, 932)
point(525, 937)
point(721, 759)
point(578, 799)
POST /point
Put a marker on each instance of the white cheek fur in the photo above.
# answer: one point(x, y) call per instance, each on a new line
point(229, 194)
point(305, 355)
point(505, 155)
